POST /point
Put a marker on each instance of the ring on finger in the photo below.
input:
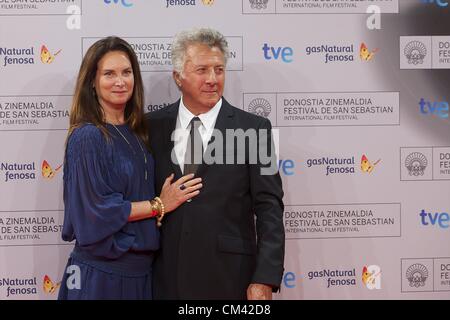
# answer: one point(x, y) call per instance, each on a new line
point(182, 187)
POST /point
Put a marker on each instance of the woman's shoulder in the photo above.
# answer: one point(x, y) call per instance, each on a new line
point(87, 130)
point(86, 137)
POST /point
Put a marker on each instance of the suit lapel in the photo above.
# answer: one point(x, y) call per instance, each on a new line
point(224, 121)
point(169, 128)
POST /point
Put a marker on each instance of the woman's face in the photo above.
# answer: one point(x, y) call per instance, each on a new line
point(114, 80)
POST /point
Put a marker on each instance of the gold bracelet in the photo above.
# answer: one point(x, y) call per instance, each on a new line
point(155, 208)
point(162, 212)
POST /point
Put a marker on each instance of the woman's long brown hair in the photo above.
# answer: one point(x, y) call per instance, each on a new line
point(85, 106)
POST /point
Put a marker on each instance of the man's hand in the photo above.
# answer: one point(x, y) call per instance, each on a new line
point(257, 291)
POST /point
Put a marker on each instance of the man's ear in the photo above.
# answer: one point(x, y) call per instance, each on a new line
point(177, 77)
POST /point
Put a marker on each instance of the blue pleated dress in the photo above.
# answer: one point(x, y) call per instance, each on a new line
point(112, 258)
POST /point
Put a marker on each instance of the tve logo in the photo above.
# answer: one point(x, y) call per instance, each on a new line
point(438, 108)
point(286, 167)
point(285, 53)
point(124, 3)
point(442, 219)
point(289, 280)
point(440, 3)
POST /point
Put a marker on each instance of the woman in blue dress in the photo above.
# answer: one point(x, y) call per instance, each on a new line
point(110, 206)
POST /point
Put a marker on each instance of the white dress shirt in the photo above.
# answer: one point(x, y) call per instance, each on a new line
point(182, 128)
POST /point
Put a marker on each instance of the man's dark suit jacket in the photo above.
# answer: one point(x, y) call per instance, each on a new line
point(213, 247)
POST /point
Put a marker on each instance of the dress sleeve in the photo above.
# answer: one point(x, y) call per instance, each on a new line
point(95, 210)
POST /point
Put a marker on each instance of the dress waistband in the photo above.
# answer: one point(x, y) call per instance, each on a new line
point(129, 264)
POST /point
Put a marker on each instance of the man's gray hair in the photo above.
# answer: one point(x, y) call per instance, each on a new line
point(207, 36)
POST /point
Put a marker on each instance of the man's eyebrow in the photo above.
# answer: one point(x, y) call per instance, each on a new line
point(206, 65)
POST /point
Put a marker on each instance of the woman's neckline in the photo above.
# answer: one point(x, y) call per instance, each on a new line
point(116, 125)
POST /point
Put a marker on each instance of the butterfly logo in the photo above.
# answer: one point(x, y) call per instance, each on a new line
point(49, 286)
point(365, 54)
point(47, 171)
point(208, 2)
point(366, 165)
point(371, 279)
point(46, 56)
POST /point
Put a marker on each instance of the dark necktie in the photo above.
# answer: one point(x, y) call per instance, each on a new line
point(194, 148)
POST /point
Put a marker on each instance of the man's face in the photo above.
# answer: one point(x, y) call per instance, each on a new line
point(203, 77)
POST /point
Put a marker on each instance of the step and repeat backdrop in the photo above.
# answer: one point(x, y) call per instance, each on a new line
point(358, 90)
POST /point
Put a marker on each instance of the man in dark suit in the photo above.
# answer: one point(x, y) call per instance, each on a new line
point(228, 242)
